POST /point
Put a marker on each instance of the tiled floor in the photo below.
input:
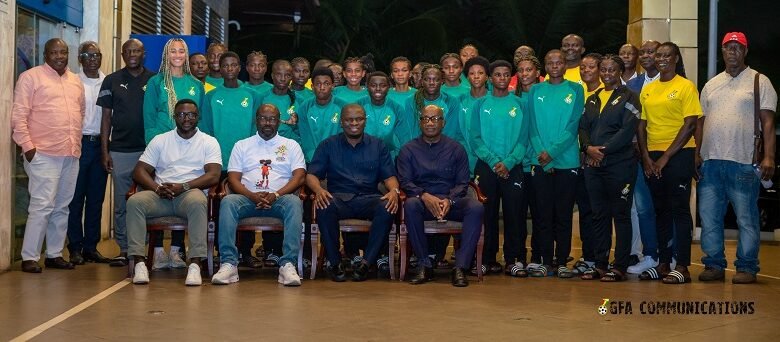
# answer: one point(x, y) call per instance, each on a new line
point(257, 308)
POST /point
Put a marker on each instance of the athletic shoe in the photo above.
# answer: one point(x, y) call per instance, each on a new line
point(161, 260)
point(288, 276)
point(645, 264)
point(193, 275)
point(227, 274)
point(141, 274)
point(176, 260)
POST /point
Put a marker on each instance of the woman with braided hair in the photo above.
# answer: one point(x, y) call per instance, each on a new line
point(172, 83)
point(256, 66)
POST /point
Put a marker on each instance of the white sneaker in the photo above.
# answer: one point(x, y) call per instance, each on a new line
point(643, 265)
point(193, 275)
point(161, 260)
point(227, 274)
point(288, 276)
point(532, 266)
point(176, 261)
point(141, 274)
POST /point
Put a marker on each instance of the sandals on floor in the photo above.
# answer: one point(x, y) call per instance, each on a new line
point(517, 270)
point(541, 271)
point(676, 277)
point(580, 267)
point(593, 274)
point(564, 272)
point(655, 273)
point(613, 276)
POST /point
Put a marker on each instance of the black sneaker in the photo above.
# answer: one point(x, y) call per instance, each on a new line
point(360, 273)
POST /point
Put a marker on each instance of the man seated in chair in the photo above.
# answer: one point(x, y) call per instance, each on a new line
point(264, 172)
point(174, 169)
point(353, 164)
point(434, 172)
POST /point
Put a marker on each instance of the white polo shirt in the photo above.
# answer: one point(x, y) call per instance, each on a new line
point(277, 157)
point(93, 114)
point(728, 107)
point(179, 160)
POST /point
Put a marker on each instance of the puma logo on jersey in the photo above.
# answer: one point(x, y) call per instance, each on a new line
point(123, 85)
point(683, 186)
point(220, 102)
point(465, 110)
point(488, 111)
point(540, 98)
point(575, 172)
point(313, 119)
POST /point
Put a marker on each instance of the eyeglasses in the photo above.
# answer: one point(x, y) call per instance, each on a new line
point(90, 55)
point(270, 120)
point(188, 115)
point(434, 119)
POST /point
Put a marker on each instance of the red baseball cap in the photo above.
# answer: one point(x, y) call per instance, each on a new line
point(738, 37)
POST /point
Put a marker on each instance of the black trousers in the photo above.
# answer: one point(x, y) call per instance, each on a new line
point(585, 213)
point(529, 204)
point(554, 191)
point(611, 191)
point(671, 198)
point(509, 193)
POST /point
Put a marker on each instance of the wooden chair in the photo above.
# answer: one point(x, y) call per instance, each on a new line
point(272, 224)
point(355, 226)
point(436, 227)
point(156, 226)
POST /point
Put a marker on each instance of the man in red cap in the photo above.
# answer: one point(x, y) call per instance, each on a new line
point(728, 173)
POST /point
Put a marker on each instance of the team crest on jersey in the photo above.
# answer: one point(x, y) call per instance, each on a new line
point(291, 110)
point(624, 193)
point(265, 171)
point(387, 121)
point(513, 112)
point(281, 153)
point(335, 118)
point(672, 95)
point(192, 91)
point(569, 98)
point(614, 103)
point(245, 103)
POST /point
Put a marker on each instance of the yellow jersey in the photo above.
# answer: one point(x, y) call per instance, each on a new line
point(665, 105)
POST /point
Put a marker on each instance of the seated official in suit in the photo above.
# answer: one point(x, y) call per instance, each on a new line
point(264, 172)
point(353, 164)
point(177, 165)
point(434, 172)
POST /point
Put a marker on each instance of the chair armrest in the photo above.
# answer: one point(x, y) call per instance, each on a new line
point(213, 203)
point(130, 192)
point(480, 196)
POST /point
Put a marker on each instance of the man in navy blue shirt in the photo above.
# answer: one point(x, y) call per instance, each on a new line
point(353, 164)
point(434, 173)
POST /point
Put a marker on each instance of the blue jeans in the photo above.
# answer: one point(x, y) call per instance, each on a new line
point(723, 182)
point(234, 207)
point(645, 215)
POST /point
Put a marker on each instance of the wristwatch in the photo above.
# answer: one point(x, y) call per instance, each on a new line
point(185, 186)
point(276, 194)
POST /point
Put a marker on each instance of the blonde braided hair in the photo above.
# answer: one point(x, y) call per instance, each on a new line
point(165, 71)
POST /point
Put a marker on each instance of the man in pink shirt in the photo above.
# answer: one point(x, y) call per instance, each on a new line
point(47, 120)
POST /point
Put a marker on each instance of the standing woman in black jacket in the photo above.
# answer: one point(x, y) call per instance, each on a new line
point(607, 129)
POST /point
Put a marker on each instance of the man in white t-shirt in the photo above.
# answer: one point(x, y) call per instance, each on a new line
point(175, 167)
point(727, 175)
point(264, 172)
